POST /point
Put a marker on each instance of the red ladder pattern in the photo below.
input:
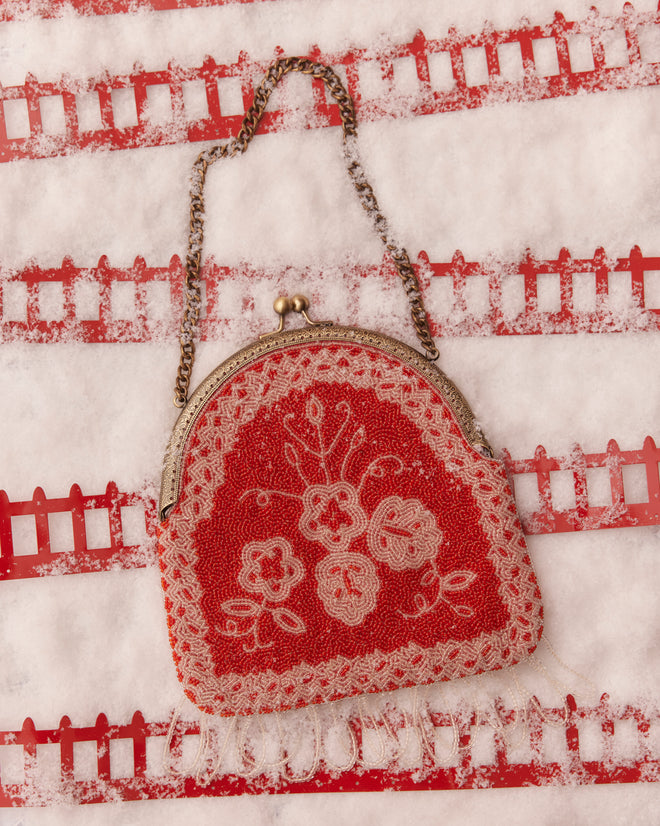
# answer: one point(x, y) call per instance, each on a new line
point(528, 63)
point(105, 304)
point(629, 494)
point(578, 762)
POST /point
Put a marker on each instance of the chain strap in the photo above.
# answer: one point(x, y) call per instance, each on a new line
point(238, 145)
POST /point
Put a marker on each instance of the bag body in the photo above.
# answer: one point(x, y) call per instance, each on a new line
point(332, 525)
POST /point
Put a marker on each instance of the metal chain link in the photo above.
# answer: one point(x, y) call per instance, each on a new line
point(238, 145)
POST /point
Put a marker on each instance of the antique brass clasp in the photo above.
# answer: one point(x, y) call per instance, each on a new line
point(298, 304)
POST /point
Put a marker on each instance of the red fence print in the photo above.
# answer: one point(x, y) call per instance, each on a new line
point(105, 304)
point(581, 756)
point(618, 488)
point(80, 534)
point(562, 295)
point(422, 77)
point(76, 533)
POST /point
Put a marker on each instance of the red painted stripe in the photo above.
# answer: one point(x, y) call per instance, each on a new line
point(55, 8)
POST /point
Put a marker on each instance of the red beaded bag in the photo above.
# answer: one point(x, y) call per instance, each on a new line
point(333, 521)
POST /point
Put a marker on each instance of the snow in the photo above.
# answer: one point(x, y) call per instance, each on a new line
point(578, 172)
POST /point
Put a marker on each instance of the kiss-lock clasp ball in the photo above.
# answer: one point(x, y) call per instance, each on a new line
point(282, 305)
point(300, 304)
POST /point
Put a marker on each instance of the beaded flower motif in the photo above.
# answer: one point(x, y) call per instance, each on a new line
point(271, 571)
point(400, 533)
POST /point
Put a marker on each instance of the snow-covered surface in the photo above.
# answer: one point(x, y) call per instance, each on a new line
point(577, 172)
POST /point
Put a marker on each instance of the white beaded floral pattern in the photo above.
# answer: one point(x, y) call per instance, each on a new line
point(273, 581)
point(401, 533)
point(347, 586)
point(332, 515)
point(270, 570)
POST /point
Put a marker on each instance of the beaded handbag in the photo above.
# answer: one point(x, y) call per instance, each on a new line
point(333, 521)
